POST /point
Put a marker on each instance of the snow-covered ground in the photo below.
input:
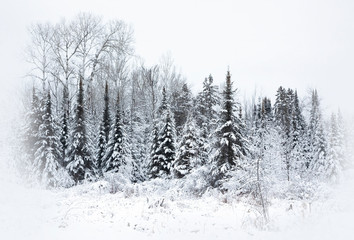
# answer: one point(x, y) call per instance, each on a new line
point(149, 212)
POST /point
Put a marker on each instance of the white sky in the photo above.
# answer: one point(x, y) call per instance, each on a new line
point(298, 44)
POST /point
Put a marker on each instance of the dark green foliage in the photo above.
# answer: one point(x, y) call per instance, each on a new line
point(231, 144)
point(163, 150)
point(188, 150)
point(64, 126)
point(291, 127)
point(181, 107)
point(316, 138)
point(207, 100)
point(48, 155)
point(164, 104)
point(138, 148)
point(80, 161)
point(104, 131)
point(116, 152)
point(154, 164)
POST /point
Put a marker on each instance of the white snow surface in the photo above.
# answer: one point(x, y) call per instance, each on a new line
point(153, 211)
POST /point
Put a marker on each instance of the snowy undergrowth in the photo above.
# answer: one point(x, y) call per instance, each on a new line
point(161, 209)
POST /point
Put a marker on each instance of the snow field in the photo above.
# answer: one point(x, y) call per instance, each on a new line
point(90, 211)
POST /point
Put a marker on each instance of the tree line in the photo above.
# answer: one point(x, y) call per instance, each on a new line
point(94, 111)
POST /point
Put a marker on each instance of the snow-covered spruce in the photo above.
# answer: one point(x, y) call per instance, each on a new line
point(230, 143)
point(188, 155)
point(164, 146)
point(105, 129)
point(80, 163)
point(47, 159)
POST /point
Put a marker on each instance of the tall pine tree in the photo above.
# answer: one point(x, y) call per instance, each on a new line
point(230, 145)
point(48, 154)
point(104, 131)
point(188, 150)
point(316, 139)
point(117, 155)
point(332, 166)
point(181, 107)
point(297, 138)
point(282, 114)
point(206, 102)
point(30, 136)
point(64, 125)
point(164, 149)
point(80, 161)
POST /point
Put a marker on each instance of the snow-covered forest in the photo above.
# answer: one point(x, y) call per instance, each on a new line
point(96, 113)
point(98, 120)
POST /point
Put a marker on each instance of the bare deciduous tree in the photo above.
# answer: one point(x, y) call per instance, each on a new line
point(39, 52)
point(84, 47)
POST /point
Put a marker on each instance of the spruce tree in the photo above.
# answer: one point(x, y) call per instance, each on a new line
point(104, 131)
point(206, 102)
point(188, 150)
point(231, 145)
point(298, 140)
point(31, 129)
point(64, 126)
point(164, 103)
point(154, 166)
point(316, 139)
point(258, 130)
point(206, 117)
point(137, 146)
point(116, 157)
point(332, 166)
point(282, 114)
point(342, 141)
point(48, 154)
point(181, 105)
point(164, 148)
point(80, 161)
point(281, 108)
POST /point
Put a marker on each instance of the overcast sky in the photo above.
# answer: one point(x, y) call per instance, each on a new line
point(299, 44)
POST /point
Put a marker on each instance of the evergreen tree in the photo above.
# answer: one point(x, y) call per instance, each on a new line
point(332, 164)
point(342, 142)
point(116, 157)
point(258, 131)
point(48, 153)
point(64, 126)
point(137, 146)
point(291, 127)
point(316, 139)
point(231, 145)
point(206, 116)
point(164, 150)
point(298, 132)
point(164, 103)
point(187, 153)
point(205, 145)
point(283, 111)
point(267, 108)
point(33, 121)
point(104, 131)
point(80, 162)
point(206, 102)
point(154, 166)
point(298, 124)
point(181, 107)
